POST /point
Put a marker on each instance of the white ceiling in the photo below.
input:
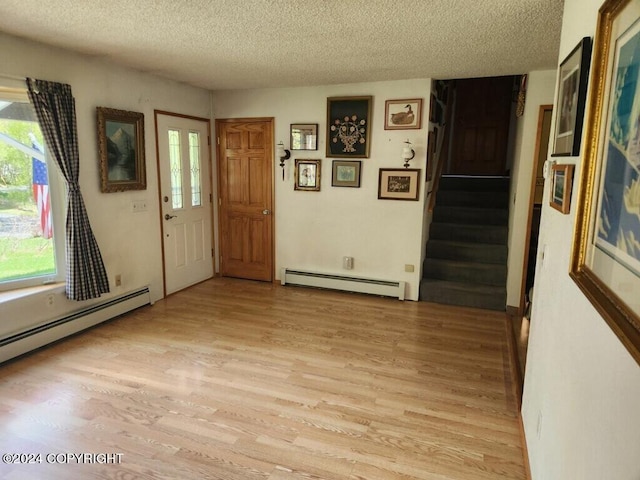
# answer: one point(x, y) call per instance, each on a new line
point(229, 44)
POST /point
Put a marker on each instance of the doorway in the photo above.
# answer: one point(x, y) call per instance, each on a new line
point(245, 176)
point(184, 160)
point(481, 126)
point(521, 321)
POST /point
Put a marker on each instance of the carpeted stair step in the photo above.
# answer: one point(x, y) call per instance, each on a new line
point(461, 198)
point(454, 293)
point(470, 215)
point(466, 272)
point(474, 184)
point(467, 252)
point(468, 233)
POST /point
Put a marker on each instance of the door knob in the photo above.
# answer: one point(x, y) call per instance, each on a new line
point(169, 217)
point(266, 211)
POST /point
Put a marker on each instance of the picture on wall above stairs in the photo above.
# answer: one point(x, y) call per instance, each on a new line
point(466, 257)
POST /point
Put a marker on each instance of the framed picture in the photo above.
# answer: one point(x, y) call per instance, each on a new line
point(399, 184)
point(121, 150)
point(304, 136)
point(348, 126)
point(307, 174)
point(605, 261)
point(346, 173)
point(561, 187)
point(403, 114)
point(573, 75)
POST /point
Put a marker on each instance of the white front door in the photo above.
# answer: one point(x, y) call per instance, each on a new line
point(185, 198)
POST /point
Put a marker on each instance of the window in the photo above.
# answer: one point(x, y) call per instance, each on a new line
point(30, 250)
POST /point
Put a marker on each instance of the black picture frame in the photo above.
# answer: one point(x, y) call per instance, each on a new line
point(349, 126)
point(573, 75)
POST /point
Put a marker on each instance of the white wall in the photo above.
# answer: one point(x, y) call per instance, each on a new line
point(314, 230)
point(540, 91)
point(129, 242)
point(582, 388)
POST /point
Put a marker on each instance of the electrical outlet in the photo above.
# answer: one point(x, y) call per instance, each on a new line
point(50, 300)
point(409, 268)
point(118, 280)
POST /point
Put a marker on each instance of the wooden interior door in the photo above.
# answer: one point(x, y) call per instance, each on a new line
point(481, 126)
point(245, 162)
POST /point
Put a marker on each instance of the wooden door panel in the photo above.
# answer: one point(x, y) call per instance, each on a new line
point(256, 140)
point(481, 126)
point(246, 198)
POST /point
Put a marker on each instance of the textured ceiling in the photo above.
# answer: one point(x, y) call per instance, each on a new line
point(229, 44)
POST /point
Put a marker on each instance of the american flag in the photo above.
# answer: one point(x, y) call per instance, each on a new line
point(41, 193)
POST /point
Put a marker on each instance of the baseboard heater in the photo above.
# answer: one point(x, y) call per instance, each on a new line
point(342, 282)
point(41, 335)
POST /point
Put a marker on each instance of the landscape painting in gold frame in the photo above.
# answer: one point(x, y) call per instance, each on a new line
point(605, 261)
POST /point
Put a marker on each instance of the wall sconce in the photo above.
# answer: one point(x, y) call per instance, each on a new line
point(283, 154)
point(407, 153)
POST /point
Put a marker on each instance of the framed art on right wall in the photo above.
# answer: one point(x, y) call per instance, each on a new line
point(605, 262)
point(573, 75)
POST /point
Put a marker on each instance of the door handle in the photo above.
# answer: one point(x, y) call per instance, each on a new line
point(266, 211)
point(169, 217)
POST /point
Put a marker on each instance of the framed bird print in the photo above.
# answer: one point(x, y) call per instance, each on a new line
point(405, 114)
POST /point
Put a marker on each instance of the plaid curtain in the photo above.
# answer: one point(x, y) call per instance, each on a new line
point(56, 112)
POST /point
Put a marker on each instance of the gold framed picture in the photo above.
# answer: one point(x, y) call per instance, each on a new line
point(307, 174)
point(121, 150)
point(605, 261)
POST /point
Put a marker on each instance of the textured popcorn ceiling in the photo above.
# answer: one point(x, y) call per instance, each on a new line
point(228, 44)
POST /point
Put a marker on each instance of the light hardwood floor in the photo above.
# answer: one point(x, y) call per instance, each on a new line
point(234, 380)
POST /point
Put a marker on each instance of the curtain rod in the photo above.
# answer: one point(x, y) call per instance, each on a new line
point(12, 77)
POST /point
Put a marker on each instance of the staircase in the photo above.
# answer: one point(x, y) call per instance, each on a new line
point(466, 261)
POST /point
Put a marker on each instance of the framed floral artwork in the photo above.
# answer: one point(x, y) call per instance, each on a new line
point(349, 126)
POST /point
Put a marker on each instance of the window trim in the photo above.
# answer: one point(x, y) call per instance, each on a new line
point(57, 193)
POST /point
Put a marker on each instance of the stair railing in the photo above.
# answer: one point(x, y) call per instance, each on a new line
point(442, 146)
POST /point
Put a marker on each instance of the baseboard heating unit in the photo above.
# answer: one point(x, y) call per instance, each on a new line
point(36, 337)
point(384, 288)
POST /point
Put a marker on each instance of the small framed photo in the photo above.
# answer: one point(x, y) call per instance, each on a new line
point(573, 75)
point(403, 114)
point(307, 174)
point(304, 136)
point(399, 184)
point(561, 187)
point(346, 173)
point(121, 150)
